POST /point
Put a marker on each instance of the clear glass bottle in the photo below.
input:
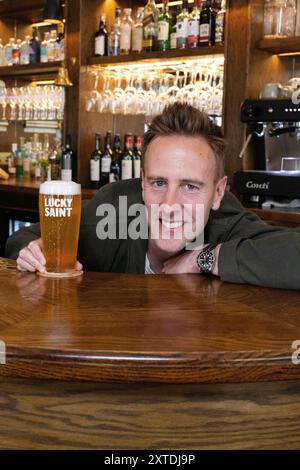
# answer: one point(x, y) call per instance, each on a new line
point(52, 46)
point(8, 51)
point(60, 41)
point(137, 31)
point(290, 17)
point(182, 26)
point(125, 32)
point(113, 41)
point(279, 18)
point(44, 48)
point(117, 22)
point(163, 28)
point(220, 23)
point(16, 51)
point(24, 57)
point(268, 18)
point(173, 33)
point(151, 14)
point(194, 26)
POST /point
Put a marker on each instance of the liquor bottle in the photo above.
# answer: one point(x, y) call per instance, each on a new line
point(54, 165)
point(66, 160)
point(194, 26)
point(117, 22)
point(16, 52)
point(125, 32)
point(137, 32)
point(163, 28)
point(268, 18)
point(207, 25)
point(127, 158)
point(137, 156)
point(115, 168)
point(106, 160)
point(19, 156)
point(34, 48)
point(27, 160)
point(101, 38)
point(95, 164)
point(44, 47)
point(182, 26)
point(24, 51)
point(113, 42)
point(220, 22)
point(173, 33)
point(60, 41)
point(11, 161)
point(8, 51)
point(151, 14)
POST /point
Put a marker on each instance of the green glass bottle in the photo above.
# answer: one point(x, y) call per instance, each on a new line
point(163, 28)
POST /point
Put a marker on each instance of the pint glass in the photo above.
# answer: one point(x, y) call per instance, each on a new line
point(60, 210)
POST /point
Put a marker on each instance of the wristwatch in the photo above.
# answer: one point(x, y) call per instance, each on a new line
point(206, 260)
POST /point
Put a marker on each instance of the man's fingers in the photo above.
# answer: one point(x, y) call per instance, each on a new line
point(23, 265)
point(35, 248)
point(78, 266)
point(26, 256)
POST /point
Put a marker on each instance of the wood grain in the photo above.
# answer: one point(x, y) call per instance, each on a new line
point(135, 328)
point(72, 415)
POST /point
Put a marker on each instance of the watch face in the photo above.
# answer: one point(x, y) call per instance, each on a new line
point(206, 261)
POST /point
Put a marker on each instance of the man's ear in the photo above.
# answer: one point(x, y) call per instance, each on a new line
point(219, 193)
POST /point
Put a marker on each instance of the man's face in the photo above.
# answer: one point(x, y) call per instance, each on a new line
point(179, 171)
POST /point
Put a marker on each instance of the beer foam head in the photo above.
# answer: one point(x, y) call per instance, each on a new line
point(60, 188)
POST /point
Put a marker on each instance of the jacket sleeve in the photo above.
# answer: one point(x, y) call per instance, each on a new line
point(20, 239)
point(254, 252)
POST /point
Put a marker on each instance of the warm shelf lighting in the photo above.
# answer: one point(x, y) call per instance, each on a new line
point(288, 54)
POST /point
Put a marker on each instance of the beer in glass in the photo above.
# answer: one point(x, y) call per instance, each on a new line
point(60, 210)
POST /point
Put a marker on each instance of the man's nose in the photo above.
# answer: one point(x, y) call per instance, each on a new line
point(171, 197)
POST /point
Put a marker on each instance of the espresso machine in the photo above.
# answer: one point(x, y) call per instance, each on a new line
point(274, 126)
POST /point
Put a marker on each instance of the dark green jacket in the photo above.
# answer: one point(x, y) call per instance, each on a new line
point(252, 251)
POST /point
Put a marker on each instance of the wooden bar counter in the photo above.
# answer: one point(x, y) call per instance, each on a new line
point(130, 361)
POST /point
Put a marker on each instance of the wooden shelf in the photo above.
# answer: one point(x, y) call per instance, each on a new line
point(31, 70)
point(281, 45)
point(28, 11)
point(159, 55)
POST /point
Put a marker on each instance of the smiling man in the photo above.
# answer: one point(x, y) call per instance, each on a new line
point(182, 171)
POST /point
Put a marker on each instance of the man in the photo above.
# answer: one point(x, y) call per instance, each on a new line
point(183, 167)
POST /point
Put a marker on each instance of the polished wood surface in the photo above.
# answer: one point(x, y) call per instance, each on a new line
point(135, 328)
point(280, 45)
point(72, 415)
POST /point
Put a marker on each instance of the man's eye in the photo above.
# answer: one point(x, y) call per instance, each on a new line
point(190, 187)
point(158, 183)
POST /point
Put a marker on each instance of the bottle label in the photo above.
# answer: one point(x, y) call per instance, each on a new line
point(125, 37)
point(148, 20)
point(204, 32)
point(66, 175)
point(100, 45)
point(44, 54)
point(95, 170)
point(173, 41)
point(26, 165)
point(220, 28)
point(137, 39)
point(137, 168)
point(193, 28)
point(37, 171)
point(163, 31)
point(126, 169)
point(105, 165)
point(182, 29)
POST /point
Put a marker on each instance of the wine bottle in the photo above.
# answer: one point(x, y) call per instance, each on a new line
point(101, 38)
point(66, 160)
point(127, 158)
point(106, 160)
point(95, 164)
point(115, 167)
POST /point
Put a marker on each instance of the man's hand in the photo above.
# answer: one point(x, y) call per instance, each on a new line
point(31, 258)
point(186, 263)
